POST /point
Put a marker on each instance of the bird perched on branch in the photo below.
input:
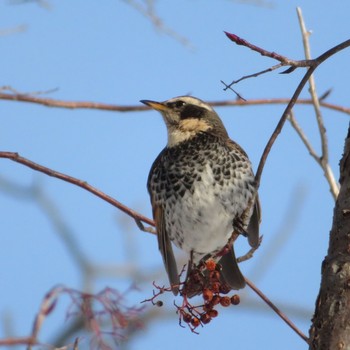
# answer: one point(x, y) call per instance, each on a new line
point(202, 189)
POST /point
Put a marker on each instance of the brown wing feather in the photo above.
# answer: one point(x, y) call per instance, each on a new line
point(254, 223)
point(255, 219)
point(230, 270)
point(166, 249)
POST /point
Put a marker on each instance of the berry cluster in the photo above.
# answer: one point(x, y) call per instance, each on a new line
point(202, 280)
point(194, 317)
point(213, 291)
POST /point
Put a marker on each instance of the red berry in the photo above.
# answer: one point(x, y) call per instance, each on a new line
point(235, 299)
point(225, 289)
point(225, 301)
point(213, 313)
point(187, 317)
point(214, 276)
point(195, 322)
point(207, 307)
point(215, 287)
point(207, 294)
point(210, 265)
point(216, 300)
point(205, 318)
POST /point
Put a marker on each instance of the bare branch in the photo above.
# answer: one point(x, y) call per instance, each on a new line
point(313, 66)
point(312, 88)
point(276, 309)
point(285, 61)
point(303, 137)
point(143, 228)
point(17, 158)
point(254, 75)
point(48, 302)
point(330, 327)
point(323, 160)
point(18, 341)
point(233, 90)
point(250, 253)
point(69, 104)
point(25, 97)
point(334, 188)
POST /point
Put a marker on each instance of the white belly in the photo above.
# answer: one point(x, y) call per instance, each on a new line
point(202, 221)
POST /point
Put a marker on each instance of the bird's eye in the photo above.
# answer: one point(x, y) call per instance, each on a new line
point(179, 104)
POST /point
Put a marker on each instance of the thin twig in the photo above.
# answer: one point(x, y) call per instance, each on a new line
point(279, 239)
point(313, 66)
point(276, 310)
point(47, 306)
point(324, 159)
point(18, 341)
point(132, 213)
point(272, 101)
point(280, 124)
point(254, 75)
point(312, 87)
point(250, 252)
point(285, 61)
point(303, 137)
point(143, 228)
point(239, 96)
point(333, 185)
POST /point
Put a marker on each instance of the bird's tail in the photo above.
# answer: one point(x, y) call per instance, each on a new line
point(230, 272)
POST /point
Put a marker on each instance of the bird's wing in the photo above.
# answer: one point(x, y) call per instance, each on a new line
point(230, 270)
point(165, 248)
point(254, 223)
point(255, 219)
point(233, 146)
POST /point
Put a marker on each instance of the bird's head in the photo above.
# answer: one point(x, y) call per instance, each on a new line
point(186, 116)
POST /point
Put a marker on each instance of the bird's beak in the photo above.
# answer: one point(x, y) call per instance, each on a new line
point(158, 106)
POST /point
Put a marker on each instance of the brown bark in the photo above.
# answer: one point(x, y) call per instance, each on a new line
point(330, 327)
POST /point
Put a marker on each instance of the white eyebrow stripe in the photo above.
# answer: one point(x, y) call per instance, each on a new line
point(191, 100)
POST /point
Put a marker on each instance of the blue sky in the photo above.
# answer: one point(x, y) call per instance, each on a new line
point(108, 52)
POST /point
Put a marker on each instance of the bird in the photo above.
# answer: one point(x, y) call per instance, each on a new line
point(202, 188)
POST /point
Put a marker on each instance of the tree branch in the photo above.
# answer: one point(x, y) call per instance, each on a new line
point(323, 160)
point(18, 341)
point(276, 310)
point(312, 64)
point(285, 61)
point(334, 188)
point(330, 327)
point(49, 102)
point(83, 184)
